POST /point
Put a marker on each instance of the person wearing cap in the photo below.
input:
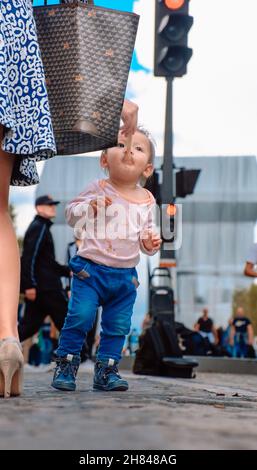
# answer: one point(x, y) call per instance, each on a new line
point(41, 273)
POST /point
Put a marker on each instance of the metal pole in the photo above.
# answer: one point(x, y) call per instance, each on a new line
point(167, 182)
point(167, 257)
point(167, 189)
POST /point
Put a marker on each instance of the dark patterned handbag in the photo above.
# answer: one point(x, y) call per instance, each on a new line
point(87, 52)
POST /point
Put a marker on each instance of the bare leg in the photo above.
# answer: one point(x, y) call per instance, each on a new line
point(26, 345)
point(9, 258)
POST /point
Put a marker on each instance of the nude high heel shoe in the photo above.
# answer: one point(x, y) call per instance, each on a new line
point(11, 367)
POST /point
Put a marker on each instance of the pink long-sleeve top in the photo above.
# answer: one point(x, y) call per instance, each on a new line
point(114, 237)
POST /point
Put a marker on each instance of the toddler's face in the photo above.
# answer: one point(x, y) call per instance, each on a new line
point(129, 166)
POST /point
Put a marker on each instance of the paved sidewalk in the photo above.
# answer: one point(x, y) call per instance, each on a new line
point(213, 411)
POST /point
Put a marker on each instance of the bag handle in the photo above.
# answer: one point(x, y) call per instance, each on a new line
point(87, 2)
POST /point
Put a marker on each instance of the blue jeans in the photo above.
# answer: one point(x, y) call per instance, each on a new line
point(95, 285)
point(240, 348)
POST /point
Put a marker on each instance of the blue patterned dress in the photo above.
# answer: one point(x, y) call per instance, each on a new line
point(24, 108)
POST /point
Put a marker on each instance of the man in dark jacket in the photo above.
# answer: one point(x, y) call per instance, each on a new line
point(41, 273)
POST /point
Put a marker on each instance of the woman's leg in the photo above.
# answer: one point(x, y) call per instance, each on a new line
point(9, 253)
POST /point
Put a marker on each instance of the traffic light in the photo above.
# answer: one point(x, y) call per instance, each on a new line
point(172, 24)
point(186, 181)
point(168, 223)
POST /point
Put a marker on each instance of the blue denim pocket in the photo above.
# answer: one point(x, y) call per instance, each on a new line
point(135, 281)
point(80, 267)
point(134, 278)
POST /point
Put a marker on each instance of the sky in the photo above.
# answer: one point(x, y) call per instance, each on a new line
point(215, 104)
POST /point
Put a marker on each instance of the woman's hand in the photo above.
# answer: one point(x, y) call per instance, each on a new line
point(129, 116)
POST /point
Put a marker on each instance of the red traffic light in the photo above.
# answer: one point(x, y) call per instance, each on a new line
point(171, 210)
point(174, 4)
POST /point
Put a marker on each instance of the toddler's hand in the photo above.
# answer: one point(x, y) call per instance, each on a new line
point(152, 241)
point(100, 202)
point(31, 294)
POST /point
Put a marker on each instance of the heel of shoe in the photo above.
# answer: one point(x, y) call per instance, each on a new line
point(11, 369)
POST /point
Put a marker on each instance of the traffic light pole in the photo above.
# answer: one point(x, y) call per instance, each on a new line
point(167, 189)
point(167, 257)
point(167, 182)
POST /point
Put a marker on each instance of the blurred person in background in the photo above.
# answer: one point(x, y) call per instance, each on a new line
point(206, 328)
point(41, 273)
point(242, 335)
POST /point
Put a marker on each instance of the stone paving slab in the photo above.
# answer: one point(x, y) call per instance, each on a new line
point(213, 411)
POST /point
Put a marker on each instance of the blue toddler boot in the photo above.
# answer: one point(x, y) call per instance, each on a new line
point(107, 377)
point(65, 372)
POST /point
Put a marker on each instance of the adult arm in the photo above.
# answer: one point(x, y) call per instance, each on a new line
point(251, 261)
point(249, 270)
point(31, 249)
point(232, 335)
point(250, 334)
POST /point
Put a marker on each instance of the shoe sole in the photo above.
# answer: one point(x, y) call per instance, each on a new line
point(65, 388)
point(119, 388)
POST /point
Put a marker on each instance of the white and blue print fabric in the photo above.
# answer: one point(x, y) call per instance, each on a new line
point(24, 107)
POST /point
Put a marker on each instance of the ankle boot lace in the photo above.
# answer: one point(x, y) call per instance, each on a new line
point(66, 367)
